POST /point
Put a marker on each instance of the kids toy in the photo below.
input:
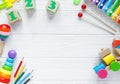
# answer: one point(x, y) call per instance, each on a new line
point(13, 16)
point(110, 7)
point(116, 13)
point(116, 46)
point(6, 70)
point(109, 62)
point(5, 31)
point(7, 4)
point(29, 4)
point(76, 2)
point(52, 6)
point(118, 19)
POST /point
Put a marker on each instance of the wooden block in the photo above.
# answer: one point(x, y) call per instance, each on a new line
point(52, 6)
point(117, 58)
point(115, 43)
point(108, 59)
point(105, 52)
point(13, 16)
point(29, 4)
point(107, 68)
point(117, 51)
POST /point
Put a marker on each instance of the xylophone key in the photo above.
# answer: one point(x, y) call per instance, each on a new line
point(113, 8)
point(108, 5)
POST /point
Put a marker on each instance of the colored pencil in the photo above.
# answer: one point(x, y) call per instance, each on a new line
point(18, 67)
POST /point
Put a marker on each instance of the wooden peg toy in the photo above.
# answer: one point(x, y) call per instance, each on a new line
point(105, 52)
point(115, 66)
point(117, 58)
point(107, 68)
point(102, 73)
point(13, 16)
point(52, 6)
point(29, 4)
point(101, 65)
point(108, 59)
point(115, 43)
point(117, 51)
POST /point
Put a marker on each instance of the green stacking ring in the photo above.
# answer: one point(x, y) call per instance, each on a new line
point(4, 37)
point(114, 66)
point(7, 68)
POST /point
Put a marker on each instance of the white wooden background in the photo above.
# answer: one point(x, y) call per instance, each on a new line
point(62, 50)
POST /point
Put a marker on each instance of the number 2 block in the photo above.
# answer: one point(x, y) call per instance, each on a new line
point(29, 4)
point(13, 16)
point(52, 6)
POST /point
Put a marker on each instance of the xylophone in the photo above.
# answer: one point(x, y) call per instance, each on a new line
point(110, 7)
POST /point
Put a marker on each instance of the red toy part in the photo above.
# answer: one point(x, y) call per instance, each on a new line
point(4, 80)
point(115, 43)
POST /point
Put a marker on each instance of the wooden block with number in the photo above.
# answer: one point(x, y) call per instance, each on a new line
point(105, 52)
point(53, 6)
point(13, 16)
point(29, 4)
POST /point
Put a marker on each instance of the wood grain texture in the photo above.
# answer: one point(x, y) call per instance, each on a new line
point(62, 50)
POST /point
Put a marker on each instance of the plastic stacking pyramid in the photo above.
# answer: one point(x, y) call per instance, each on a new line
point(7, 67)
point(109, 61)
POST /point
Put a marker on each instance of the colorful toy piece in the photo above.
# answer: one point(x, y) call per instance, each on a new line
point(118, 19)
point(5, 31)
point(76, 2)
point(29, 4)
point(116, 46)
point(108, 59)
point(6, 70)
point(101, 65)
point(13, 16)
point(116, 13)
point(52, 6)
point(102, 73)
point(107, 5)
point(105, 52)
point(7, 4)
point(113, 8)
point(96, 2)
point(114, 66)
point(101, 3)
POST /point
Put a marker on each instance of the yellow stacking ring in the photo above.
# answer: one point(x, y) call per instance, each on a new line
point(5, 72)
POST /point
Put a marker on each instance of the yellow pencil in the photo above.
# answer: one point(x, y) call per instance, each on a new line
point(20, 71)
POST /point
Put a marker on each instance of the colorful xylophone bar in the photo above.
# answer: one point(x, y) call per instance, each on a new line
point(110, 7)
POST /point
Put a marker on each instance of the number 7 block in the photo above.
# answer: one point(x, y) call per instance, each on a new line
point(53, 6)
point(29, 4)
point(13, 16)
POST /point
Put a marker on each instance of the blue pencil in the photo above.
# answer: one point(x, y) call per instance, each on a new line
point(21, 75)
point(25, 77)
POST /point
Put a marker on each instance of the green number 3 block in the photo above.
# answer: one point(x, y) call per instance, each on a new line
point(52, 6)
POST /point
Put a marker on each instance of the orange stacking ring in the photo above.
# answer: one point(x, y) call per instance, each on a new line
point(2, 75)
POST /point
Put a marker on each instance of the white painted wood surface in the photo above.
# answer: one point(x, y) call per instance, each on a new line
point(62, 50)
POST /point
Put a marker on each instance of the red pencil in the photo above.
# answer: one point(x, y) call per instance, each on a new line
point(18, 67)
